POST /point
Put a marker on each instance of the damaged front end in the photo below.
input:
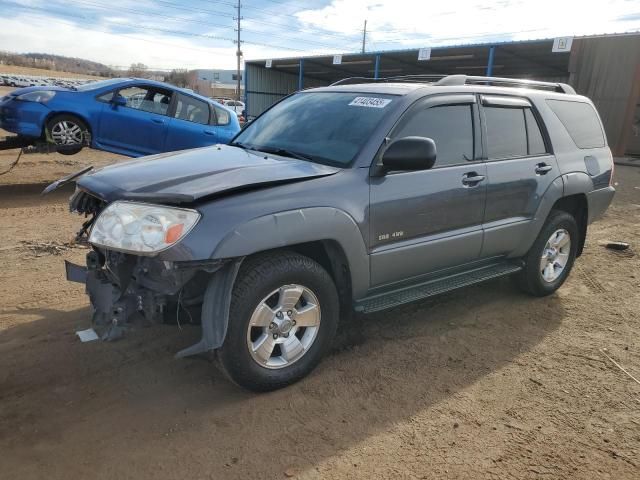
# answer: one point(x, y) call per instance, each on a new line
point(125, 287)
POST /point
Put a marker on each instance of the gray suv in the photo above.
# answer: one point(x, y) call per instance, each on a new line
point(358, 196)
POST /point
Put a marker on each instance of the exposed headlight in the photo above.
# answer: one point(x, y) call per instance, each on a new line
point(42, 96)
point(141, 228)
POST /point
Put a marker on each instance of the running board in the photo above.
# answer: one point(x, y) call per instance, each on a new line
point(431, 288)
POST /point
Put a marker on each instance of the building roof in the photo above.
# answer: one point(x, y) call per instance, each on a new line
point(525, 59)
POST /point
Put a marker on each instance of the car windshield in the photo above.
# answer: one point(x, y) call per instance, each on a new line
point(98, 84)
point(323, 127)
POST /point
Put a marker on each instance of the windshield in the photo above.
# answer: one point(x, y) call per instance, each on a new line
point(324, 127)
point(98, 84)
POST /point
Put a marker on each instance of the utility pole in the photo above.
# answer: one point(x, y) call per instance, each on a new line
point(238, 52)
point(364, 36)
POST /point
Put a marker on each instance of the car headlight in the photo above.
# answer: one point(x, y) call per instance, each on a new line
point(42, 96)
point(141, 228)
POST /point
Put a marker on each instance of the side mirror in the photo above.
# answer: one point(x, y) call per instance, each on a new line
point(410, 153)
point(119, 101)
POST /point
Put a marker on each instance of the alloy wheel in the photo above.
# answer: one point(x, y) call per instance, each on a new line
point(555, 255)
point(67, 132)
point(283, 326)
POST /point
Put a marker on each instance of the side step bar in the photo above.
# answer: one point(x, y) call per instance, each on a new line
point(431, 288)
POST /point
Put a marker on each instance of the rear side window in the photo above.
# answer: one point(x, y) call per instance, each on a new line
point(192, 110)
point(450, 127)
point(581, 121)
point(512, 133)
point(506, 132)
point(222, 116)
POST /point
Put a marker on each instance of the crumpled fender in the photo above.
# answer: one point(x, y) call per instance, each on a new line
point(300, 226)
point(215, 310)
point(266, 233)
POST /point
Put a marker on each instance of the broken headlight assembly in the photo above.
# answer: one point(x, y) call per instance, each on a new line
point(41, 96)
point(140, 228)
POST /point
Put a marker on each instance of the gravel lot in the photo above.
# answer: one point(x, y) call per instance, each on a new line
point(480, 383)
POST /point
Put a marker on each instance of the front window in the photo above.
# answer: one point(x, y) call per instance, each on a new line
point(325, 127)
point(147, 99)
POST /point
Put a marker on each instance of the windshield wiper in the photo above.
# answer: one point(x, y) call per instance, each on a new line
point(239, 145)
point(284, 153)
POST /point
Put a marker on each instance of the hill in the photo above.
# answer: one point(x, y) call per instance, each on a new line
point(48, 62)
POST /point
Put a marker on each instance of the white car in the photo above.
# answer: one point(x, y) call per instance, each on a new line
point(235, 105)
point(23, 82)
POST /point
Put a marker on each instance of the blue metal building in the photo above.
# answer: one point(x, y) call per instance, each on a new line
point(604, 67)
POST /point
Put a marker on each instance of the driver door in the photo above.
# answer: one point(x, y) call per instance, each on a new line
point(429, 220)
point(140, 126)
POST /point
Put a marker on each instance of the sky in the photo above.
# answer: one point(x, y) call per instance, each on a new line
point(167, 34)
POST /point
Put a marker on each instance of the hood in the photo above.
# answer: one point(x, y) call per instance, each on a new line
point(187, 176)
point(49, 88)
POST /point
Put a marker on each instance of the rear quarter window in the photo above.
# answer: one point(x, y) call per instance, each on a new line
point(581, 121)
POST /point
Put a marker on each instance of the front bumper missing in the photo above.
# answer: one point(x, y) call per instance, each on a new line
point(120, 286)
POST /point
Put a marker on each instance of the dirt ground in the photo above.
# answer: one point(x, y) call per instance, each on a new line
point(480, 383)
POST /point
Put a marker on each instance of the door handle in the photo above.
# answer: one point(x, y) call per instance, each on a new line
point(471, 179)
point(209, 132)
point(159, 121)
point(543, 168)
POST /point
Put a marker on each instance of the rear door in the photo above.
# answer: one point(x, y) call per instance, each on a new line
point(191, 125)
point(424, 221)
point(138, 127)
point(520, 168)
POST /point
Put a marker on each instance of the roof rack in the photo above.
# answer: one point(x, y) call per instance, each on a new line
point(509, 82)
point(453, 80)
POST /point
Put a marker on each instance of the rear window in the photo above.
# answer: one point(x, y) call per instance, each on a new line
point(506, 132)
point(192, 110)
point(581, 121)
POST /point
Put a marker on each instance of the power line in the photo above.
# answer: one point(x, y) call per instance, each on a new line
point(192, 34)
point(255, 20)
point(170, 31)
point(203, 22)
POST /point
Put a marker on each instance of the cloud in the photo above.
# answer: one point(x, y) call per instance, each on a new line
point(185, 36)
point(417, 22)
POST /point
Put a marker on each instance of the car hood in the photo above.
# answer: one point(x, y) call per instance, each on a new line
point(191, 175)
point(50, 88)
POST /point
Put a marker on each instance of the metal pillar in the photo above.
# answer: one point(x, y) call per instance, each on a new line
point(376, 69)
point(301, 75)
point(492, 54)
point(246, 94)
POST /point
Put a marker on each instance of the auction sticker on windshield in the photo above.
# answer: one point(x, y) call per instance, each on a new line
point(371, 102)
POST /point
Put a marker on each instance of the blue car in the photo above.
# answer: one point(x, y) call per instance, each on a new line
point(128, 116)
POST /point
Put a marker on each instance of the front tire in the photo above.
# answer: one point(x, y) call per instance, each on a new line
point(282, 320)
point(550, 259)
point(67, 131)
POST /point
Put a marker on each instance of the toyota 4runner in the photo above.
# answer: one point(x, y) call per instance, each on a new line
point(358, 196)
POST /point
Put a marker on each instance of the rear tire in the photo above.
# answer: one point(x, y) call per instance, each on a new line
point(550, 259)
point(282, 320)
point(67, 130)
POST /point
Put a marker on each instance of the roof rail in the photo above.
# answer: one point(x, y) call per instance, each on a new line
point(452, 80)
point(399, 78)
